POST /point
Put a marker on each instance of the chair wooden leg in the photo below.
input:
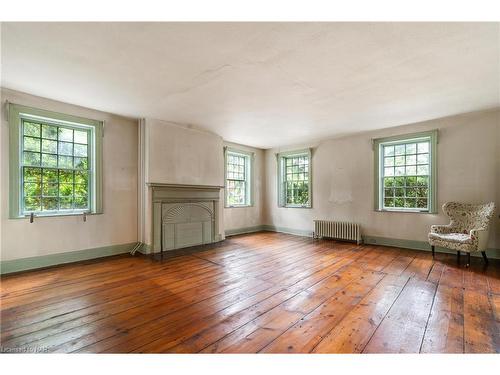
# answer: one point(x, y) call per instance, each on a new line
point(468, 259)
point(433, 253)
point(483, 253)
point(458, 256)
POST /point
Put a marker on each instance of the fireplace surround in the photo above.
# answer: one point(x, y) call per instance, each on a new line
point(184, 215)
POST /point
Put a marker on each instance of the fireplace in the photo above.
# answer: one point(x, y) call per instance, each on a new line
point(184, 216)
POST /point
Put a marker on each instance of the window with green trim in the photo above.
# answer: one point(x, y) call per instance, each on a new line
point(54, 166)
point(294, 171)
point(406, 172)
point(238, 178)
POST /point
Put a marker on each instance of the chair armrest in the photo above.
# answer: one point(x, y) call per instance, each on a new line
point(442, 229)
point(481, 235)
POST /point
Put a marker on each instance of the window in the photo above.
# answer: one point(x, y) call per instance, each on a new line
point(294, 184)
point(405, 169)
point(55, 163)
point(238, 178)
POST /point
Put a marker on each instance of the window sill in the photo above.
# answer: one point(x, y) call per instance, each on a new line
point(295, 206)
point(39, 216)
point(405, 211)
point(240, 206)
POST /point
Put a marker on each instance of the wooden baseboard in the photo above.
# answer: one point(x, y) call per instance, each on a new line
point(24, 264)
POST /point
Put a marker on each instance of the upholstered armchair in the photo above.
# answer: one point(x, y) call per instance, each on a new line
point(467, 230)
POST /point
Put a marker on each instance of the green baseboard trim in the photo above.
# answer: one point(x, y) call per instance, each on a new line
point(419, 245)
point(394, 242)
point(235, 232)
point(385, 241)
point(24, 264)
point(297, 232)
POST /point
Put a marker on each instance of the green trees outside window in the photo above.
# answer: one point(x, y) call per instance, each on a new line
point(405, 169)
point(238, 167)
point(294, 184)
point(55, 167)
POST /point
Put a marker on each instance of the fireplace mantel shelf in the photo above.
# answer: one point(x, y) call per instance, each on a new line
point(159, 184)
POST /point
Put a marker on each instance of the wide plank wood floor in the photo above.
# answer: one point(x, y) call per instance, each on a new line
point(257, 293)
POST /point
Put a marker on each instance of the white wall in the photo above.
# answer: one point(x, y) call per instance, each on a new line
point(51, 235)
point(176, 154)
point(468, 170)
point(241, 218)
point(182, 155)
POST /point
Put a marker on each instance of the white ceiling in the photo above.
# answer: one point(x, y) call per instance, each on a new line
point(260, 84)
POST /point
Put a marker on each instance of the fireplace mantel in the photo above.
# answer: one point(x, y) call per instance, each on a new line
point(159, 184)
point(181, 198)
point(169, 192)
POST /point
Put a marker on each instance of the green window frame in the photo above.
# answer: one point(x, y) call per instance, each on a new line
point(406, 172)
point(238, 171)
point(295, 179)
point(55, 163)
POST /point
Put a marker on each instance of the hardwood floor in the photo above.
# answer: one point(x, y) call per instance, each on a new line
point(263, 292)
